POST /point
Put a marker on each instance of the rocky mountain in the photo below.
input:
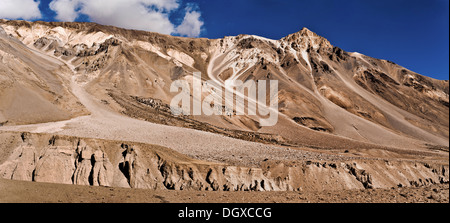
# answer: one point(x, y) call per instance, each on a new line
point(93, 81)
point(32, 87)
point(322, 87)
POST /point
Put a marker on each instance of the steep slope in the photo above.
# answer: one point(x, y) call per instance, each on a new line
point(327, 89)
point(33, 89)
point(327, 97)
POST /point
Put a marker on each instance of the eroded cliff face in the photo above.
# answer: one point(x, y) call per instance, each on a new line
point(65, 161)
point(69, 160)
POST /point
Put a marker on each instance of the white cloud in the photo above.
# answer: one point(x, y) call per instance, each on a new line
point(20, 9)
point(148, 15)
point(132, 14)
point(192, 24)
point(65, 9)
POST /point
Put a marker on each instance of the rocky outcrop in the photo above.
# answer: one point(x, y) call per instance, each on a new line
point(93, 167)
point(153, 171)
point(42, 42)
point(61, 161)
point(360, 175)
point(68, 160)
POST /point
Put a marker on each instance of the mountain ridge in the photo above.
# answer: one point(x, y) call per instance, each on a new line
point(323, 89)
point(94, 26)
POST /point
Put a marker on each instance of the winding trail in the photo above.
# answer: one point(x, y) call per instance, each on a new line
point(103, 123)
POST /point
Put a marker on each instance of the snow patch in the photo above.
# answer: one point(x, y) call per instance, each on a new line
point(88, 39)
point(305, 57)
point(204, 56)
point(181, 57)
point(152, 48)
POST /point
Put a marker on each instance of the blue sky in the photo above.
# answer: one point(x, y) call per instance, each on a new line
point(412, 33)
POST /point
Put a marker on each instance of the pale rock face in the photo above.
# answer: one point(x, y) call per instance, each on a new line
point(57, 165)
point(153, 172)
point(152, 48)
point(20, 165)
point(182, 57)
point(84, 163)
point(78, 165)
point(24, 170)
point(103, 170)
point(84, 166)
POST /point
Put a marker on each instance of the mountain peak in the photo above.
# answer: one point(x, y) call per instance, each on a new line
point(305, 30)
point(308, 38)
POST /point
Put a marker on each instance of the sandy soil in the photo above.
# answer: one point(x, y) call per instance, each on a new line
point(27, 192)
